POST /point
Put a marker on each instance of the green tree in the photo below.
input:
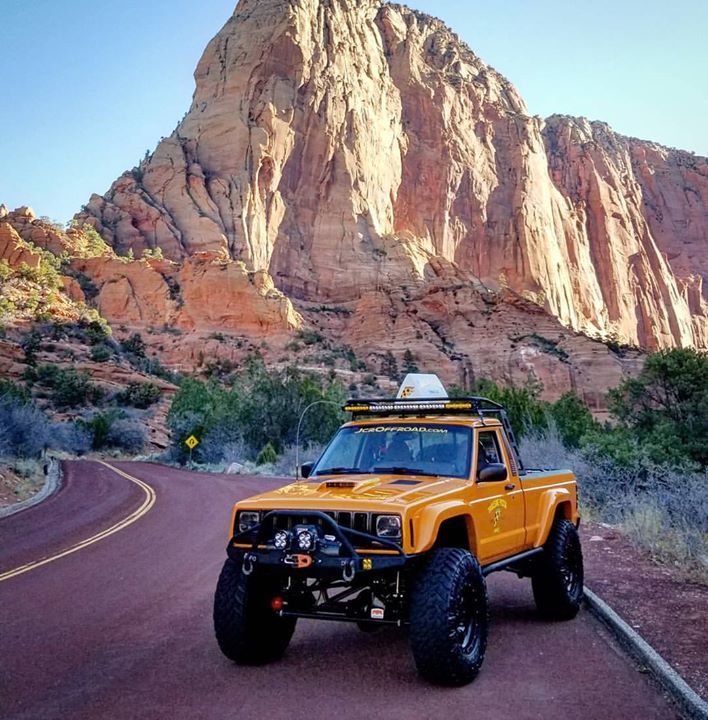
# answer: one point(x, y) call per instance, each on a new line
point(665, 407)
point(31, 344)
point(409, 362)
point(527, 413)
point(572, 419)
point(389, 366)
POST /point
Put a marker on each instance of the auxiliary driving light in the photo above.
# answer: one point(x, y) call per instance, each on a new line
point(281, 540)
point(305, 540)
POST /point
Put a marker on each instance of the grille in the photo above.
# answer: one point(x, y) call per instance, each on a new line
point(361, 521)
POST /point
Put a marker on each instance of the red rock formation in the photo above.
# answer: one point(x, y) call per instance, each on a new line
point(203, 292)
point(345, 145)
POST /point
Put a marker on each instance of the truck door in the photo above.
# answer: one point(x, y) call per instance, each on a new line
point(497, 506)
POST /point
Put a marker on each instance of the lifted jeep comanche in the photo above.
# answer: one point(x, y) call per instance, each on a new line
point(407, 510)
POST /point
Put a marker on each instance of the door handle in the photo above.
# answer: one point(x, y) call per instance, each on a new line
point(509, 486)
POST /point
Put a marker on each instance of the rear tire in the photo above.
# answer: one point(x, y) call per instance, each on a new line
point(558, 579)
point(248, 631)
point(449, 618)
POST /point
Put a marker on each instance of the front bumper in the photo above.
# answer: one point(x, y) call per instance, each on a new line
point(253, 549)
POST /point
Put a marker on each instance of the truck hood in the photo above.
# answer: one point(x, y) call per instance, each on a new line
point(327, 492)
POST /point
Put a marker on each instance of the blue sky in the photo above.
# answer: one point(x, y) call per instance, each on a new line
point(87, 87)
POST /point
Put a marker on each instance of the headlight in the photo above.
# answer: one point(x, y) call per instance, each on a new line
point(247, 519)
point(388, 526)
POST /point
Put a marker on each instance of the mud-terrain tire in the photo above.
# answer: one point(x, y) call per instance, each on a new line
point(449, 618)
point(558, 579)
point(248, 631)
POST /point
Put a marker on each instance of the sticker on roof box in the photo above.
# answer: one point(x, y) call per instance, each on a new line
point(401, 428)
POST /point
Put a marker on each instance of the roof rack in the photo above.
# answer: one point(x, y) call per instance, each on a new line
point(481, 406)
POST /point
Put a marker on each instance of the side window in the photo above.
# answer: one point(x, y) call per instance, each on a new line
point(488, 449)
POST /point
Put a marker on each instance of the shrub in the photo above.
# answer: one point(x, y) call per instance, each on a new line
point(221, 445)
point(24, 430)
point(140, 395)
point(310, 337)
point(267, 456)
point(71, 437)
point(10, 390)
point(153, 254)
point(100, 353)
point(117, 429)
point(5, 270)
point(97, 332)
point(128, 434)
point(134, 345)
point(94, 244)
point(662, 510)
point(69, 387)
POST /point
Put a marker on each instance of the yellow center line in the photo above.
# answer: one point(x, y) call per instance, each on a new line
point(144, 508)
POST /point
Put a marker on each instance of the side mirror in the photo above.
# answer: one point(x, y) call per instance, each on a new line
point(494, 472)
point(306, 469)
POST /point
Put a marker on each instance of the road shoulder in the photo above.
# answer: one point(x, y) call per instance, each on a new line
point(654, 601)
point(52, 482)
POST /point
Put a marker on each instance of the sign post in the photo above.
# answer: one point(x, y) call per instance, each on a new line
point(191, 442)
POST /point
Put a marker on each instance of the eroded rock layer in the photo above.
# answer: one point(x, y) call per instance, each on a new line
point(345, 145)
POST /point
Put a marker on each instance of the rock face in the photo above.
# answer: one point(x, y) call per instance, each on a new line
point(205, 293)
point(346, 145)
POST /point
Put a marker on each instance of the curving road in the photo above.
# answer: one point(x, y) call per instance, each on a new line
point(121, 627)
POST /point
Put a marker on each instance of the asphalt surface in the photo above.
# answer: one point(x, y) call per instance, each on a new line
point(122, 627)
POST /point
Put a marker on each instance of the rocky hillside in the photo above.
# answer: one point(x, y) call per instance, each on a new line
point(207, 313)
point(351, 148)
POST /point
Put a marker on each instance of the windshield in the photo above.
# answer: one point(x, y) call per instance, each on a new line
point(410, 449)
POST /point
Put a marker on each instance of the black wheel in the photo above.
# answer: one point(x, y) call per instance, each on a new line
point(449, 618)
point(558, 579)
point(248, 631)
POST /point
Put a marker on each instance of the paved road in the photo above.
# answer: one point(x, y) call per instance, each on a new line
point(122, 628)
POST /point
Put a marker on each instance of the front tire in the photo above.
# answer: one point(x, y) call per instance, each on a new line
point(558, 580)
point(449, 618)
point(248, 631)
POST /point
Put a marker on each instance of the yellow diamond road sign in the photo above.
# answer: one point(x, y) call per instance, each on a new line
point(191, 442)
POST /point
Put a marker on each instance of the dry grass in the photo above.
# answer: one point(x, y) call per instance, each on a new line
point(661, 510)
point(19, 480)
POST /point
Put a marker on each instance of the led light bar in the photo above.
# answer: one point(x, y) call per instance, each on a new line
point(396, 407)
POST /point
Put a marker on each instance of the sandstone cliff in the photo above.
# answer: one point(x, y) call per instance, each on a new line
point(344, 145)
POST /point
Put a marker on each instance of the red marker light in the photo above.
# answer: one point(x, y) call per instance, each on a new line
point(277, 603)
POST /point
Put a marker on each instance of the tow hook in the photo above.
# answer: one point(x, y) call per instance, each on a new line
point(249, 562)
point(298, 561)
point(348, 571)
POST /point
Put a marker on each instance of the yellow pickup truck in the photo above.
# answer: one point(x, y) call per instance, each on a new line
point(407, 510)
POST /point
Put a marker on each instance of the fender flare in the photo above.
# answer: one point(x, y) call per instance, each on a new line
point(552, 499)
point(433, 516)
